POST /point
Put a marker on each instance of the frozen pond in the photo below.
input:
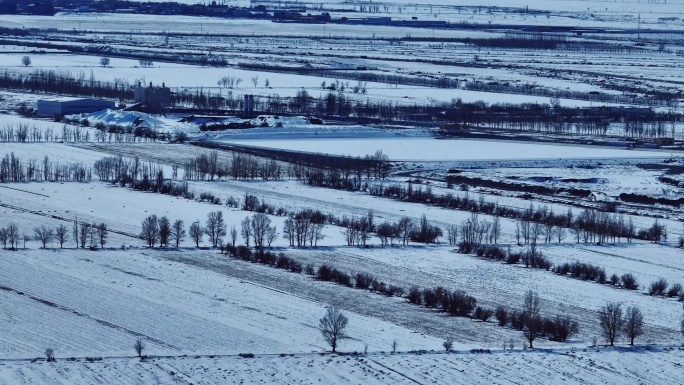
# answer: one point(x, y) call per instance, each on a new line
point(429, 149)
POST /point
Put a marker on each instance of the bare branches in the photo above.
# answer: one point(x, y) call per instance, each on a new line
point(333, 326)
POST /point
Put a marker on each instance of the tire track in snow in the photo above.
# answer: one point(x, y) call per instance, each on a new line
point(395, 371)
point(24, 191)
point(90, 317)
point(176, 374)
point(631, 259)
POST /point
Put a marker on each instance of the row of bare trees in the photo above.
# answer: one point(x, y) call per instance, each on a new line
point(13, 169)
point(241, 166)
point(535, 223)
point(84, 234)
point(160, 231)
point(64, 82)
point(22, 133)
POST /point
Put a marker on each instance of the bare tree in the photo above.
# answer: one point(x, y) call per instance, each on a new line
point(196, 232)
point(531, 304)
point(611, 321)
point(560, 233)
point(271, 235)
point(26, 61)
point(139, 346)
point(233, 235)
point(404, 229)
point(246, 230)
point(164, 231)
point(255, 81)
point(216, 227)
point(452, 234)
point(50, 355)
point(150, 230)
point(448, 344)
point(177, 231)
point(83, 231)
point(75, 233)
point(532, 322)
point(92, 234)
point(3, 237)
point(634, 324)
point(44, 235)
point(260, 223)
point(333, 326)
point(102, 233)
point(12, 233)
point(496, 229)
point(61, 235)
point(532, 328)
point(536, 230)
point(315, 233)
point(104, 61)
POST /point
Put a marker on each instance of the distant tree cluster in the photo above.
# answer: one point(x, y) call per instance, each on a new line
point(139, 176)
point(614, 322)
point(405, 230)
point(87, 234)
point(160, 231)
point(304, 228)
point(9, 236)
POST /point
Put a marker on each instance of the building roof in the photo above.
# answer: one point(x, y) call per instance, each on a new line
point(73, 99)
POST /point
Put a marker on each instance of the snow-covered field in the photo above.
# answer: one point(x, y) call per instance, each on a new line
point(196, 309)
point(114, 297)
point(283, 85)
point(124, 210)
point(659, 365)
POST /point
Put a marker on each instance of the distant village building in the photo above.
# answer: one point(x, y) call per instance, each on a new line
point(154, 98)
point(664, 141)
point(68, 106)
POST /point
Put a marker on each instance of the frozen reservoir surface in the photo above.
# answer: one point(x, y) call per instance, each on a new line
point(429, 149)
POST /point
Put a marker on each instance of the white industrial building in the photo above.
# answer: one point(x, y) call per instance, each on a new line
point(68, 106)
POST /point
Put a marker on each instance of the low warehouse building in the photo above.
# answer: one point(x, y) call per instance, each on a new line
point(68, 106)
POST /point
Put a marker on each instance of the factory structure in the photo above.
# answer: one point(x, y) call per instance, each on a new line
point(154, 99)
point(69, 106)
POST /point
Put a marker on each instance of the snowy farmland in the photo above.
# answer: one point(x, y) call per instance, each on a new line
point(586, 366)
point(285, 85)
point(534, 166)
